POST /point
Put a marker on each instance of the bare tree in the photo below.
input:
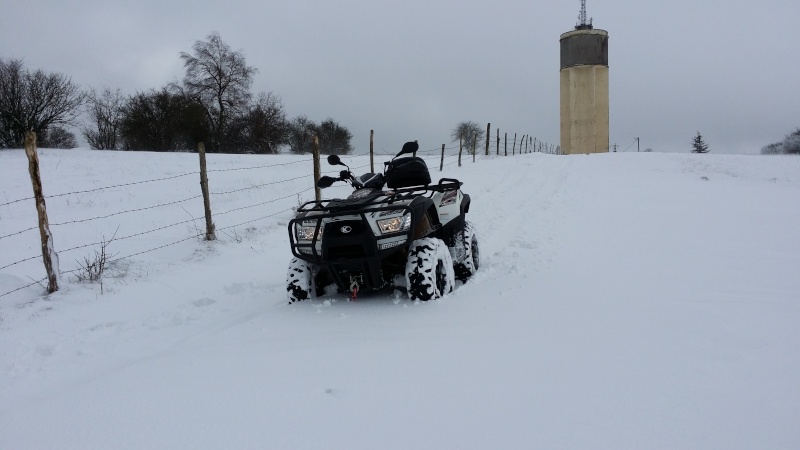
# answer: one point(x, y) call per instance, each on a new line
point(470, 134)
point(34, 101)
point(220, 80)
point(160, 120)
point(334, 139)
point(105, 110)
point(263, 129)
point(789, 146)
point(57, 137)
point(299, 134)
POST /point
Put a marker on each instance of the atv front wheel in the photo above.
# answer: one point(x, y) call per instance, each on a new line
point(466, 253)
point(300, 280)
point(429, 269)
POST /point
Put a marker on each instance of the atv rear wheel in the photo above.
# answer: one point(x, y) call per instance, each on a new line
point(429, 270)
point(300, 280)
point(466, 253)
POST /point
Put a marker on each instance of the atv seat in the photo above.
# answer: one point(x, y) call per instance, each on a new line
point(407, 172)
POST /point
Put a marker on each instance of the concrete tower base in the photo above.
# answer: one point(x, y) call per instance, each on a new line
point(584, 109)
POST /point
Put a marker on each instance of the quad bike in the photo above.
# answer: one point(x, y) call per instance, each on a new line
point(413, 235)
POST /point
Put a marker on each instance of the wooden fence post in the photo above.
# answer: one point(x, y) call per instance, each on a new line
point(371, 151)
point(201, 150)
point(49, 255)
point(441, 163)
point(505, 145)
point(317, 171)
point(514, 147)
point(488, 131)
point(48, 249)
point(498, 142)
point(460, 147)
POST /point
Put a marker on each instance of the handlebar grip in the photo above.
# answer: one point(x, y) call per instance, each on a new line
point(450, 180)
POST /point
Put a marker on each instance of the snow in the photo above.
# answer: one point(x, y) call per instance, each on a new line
point(624, 301)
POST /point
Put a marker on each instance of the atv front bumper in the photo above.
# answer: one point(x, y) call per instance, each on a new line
point(349, 243)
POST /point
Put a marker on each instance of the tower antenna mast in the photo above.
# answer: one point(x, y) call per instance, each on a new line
point(582, 24)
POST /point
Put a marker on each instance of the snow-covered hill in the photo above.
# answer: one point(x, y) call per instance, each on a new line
point(624, 301)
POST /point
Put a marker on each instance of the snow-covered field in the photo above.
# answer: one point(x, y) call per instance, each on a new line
point(625, 301)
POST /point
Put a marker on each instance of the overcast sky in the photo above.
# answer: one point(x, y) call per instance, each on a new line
point(412, 70)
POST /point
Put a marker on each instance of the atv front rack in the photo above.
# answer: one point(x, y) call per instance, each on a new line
point(379, 196)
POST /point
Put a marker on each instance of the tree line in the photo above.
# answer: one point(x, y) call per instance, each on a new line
point(213, 104)
point(790, 145)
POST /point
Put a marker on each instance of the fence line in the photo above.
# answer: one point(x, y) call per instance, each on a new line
point(260, 185)
point(193, 219)
point(125, 212)
point(20, 261)
point(19, 232)
point(256, 167)
point(257, 204)
point(122, 238)
point(172, 177)
point(193, 236)
point(526, 144)
point(434, 150)
point(26, 286)
point(103, 187)
point(106, 216)
point(264, 217)
point(211, 170)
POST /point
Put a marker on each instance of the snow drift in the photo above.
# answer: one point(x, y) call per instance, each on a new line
point(624, 301)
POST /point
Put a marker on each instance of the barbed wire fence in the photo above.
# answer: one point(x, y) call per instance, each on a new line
point(441, 157)
point(190, 204)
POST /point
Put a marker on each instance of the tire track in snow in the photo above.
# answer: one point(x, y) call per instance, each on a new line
point(519, 216)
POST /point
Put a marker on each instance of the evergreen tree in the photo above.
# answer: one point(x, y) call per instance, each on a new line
point(698, 145)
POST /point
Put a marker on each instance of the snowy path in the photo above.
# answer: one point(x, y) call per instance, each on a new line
point(625, 301)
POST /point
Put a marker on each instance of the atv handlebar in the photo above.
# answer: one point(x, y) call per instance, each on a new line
point(445, 184)
point(326, 181)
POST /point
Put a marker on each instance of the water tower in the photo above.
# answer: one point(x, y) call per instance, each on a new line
point(584, 88)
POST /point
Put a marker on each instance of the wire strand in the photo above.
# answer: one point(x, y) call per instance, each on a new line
point(125, 212)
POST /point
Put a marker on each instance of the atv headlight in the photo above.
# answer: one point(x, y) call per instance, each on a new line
point(395, 224)
point(307, 233)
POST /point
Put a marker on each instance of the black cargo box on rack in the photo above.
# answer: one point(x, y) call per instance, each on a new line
point(407, 172)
